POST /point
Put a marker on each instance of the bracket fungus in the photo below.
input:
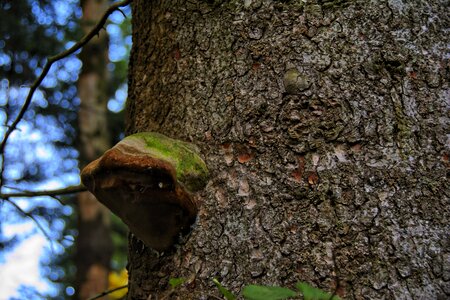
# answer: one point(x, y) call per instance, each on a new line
point(147, 179)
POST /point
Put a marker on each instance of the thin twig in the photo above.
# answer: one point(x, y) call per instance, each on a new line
point(25, 191)
point(57, 199)
point(45, 71)
point(123, 14)
point(108, 292)
point(51, 193)
point(33, 218)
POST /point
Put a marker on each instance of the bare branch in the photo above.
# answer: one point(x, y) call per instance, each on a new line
point(123, 14)
point(51, 193)
point(45, 70)
point(33, 218)
point(57, 199)
point(108, 292)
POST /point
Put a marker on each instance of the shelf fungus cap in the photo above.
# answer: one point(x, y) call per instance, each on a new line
point(147, 179)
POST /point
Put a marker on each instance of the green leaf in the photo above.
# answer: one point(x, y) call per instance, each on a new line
point(259, 292)
point(311, 293)
point(226, 293)
point(174, 282)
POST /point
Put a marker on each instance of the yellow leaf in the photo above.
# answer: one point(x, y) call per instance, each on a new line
point(116, 280)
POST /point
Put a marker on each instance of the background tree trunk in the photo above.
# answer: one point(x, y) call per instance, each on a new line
point(94, 244)
point(325, 129)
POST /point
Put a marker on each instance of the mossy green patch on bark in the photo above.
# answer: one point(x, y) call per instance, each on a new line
point(402, 126)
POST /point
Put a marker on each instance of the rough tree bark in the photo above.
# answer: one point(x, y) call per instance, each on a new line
point(324, 125)
point(93, 244)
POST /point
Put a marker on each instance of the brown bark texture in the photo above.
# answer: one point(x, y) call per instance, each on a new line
point(94, 245)
point(325, 128)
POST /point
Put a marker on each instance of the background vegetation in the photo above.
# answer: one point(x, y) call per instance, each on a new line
point(41, 154)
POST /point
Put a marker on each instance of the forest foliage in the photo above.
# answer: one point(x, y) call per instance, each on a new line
point(41, 153)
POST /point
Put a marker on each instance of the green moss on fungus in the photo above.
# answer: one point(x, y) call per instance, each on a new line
point(146, 179)
point(190, 169)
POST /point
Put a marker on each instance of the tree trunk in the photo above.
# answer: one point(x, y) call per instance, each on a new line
point(324, 125)
point(94, 243)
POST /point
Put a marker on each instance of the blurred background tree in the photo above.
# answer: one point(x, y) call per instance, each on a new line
point(42, 154)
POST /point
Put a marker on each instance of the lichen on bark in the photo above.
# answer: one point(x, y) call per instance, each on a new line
point(342, 184)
